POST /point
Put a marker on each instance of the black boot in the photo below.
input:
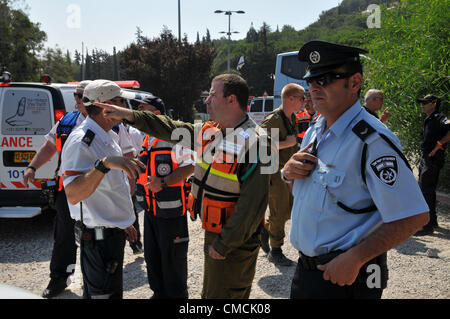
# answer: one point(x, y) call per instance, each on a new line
point(55, 287)
point(277, 257)
point(265, 240)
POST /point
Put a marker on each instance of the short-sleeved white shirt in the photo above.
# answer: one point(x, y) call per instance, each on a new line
point(110, 205)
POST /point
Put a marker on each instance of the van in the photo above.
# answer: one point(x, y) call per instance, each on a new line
point(27, 113)
point(288, 69)
point(259, 108)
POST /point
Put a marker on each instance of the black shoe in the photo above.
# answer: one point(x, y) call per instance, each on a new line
point(265, 240)
point(425, 230)
point(277, 257)
point(55, 287)
point(137, 247)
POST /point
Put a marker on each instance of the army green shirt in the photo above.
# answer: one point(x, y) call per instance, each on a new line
point(278, 119)
point(253, 200)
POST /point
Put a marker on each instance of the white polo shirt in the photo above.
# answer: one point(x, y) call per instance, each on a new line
point(110, 205)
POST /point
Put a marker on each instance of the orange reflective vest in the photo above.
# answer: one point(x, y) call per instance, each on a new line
point(303, 121)
point(216, 186)
point(160, 162)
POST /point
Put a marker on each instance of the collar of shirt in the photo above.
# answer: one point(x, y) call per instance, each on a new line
point(100, 133)
point(431, 116)
point(341, 124)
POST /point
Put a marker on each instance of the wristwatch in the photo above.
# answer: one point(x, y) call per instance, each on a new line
point(163, 184)
point(101, 167)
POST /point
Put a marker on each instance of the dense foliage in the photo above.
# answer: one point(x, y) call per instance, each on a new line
point(409, 58)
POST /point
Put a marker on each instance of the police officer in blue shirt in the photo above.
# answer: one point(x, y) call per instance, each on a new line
point(355, 196)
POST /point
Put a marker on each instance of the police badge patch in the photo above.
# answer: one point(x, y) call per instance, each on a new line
point(386, 169)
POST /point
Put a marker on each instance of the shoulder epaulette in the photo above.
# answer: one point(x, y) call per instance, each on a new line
point(88, 137)
point(363, 130)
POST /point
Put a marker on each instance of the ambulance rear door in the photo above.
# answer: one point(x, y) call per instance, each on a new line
point(27, 113)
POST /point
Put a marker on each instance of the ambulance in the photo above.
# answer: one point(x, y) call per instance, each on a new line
point(27, 113)
point(259, 108)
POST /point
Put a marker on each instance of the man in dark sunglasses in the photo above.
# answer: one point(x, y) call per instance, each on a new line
point(355, 196)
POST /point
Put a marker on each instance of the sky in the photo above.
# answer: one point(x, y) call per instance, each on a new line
point(103, 24)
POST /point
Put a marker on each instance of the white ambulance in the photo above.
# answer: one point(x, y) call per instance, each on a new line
point(259, 108)
point(27, 113)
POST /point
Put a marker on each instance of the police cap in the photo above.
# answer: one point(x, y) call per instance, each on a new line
point(150, 100)
point(323, 57)
point(429, 98)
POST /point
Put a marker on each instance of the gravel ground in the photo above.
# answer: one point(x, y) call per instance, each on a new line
point(419, 268)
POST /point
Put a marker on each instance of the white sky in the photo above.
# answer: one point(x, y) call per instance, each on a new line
point(103, 24)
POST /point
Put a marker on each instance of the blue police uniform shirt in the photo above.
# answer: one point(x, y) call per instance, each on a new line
point(318, 224)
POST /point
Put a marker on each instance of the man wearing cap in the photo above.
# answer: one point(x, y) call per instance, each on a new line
point(95, 179)
point(166, 234)
point(64, 253)
point(354, 195)
point(373, 102)
point(435, 136)
point(280, 198)
point(228, 170)
point(305, 117)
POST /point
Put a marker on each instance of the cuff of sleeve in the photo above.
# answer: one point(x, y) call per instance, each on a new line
point(220, 247)
point(284, 179)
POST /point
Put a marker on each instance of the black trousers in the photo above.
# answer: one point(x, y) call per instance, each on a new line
point(165, 251)
point(64, 254)
point(309, 284)
point(102, 267)
point(429, 169)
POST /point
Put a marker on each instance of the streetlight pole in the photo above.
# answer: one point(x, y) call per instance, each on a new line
point(179, 22)
point(229, 13)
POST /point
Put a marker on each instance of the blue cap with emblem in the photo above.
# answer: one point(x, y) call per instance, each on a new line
point(323, 57)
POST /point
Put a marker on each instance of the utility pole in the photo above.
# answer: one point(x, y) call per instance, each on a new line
point(179, 22)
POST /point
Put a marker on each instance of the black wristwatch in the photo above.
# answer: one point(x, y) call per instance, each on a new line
point(163, 184)
point(101, 167)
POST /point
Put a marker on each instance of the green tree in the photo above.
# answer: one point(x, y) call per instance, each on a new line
point(20, 42)
point(409, 57)
point(58, 65)
point(177, 72)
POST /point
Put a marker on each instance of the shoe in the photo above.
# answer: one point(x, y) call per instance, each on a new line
point(55, 287)
point(265, 240)
point(137, 248)
point(425, 230)
point(277, 257)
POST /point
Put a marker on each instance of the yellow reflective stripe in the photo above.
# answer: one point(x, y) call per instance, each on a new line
point(216, 172)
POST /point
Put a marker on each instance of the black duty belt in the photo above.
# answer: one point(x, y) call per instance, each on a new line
point(100, 233)
point(311, 263)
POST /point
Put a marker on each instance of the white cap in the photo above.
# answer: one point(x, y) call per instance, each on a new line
point(104, 90)
point(82, 85)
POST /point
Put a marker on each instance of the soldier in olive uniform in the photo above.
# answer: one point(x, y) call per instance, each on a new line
point(232, 239)
point(280, 197)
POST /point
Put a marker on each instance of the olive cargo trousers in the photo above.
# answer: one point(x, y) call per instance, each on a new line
point(230, 278)
point(280, 206)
